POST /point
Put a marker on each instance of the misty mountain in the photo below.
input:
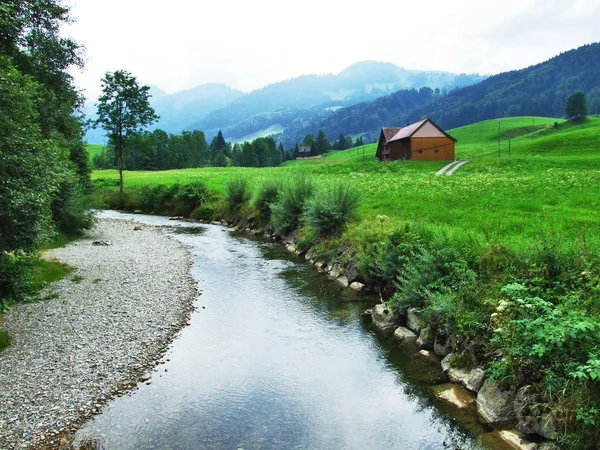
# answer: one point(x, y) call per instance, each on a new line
point(304, 98)
point(541, 89)
point(178, 109)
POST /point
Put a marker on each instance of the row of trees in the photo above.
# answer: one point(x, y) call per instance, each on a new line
point(43, 163)
point(262, 152)
point(158, 150)
point(321, 144)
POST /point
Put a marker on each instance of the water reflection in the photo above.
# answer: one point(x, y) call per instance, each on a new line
point(277, 359)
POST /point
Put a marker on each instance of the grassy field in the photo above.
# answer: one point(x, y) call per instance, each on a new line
point(504, 252)
point(93, 150)
point(549, 187)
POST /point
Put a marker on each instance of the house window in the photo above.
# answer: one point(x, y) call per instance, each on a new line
point(437, 150)
point(420, 151)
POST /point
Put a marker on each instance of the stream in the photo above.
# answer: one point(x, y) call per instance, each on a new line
point(276, 357)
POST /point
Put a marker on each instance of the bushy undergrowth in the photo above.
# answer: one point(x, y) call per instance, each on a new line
point(528, 311)
point(328, 212)
point(237, 194)
point(4, 340)
point(533, 316)
point(16, 276)
point(268, 193)
point(70, 210)
point(287, 211)
point(176, 199)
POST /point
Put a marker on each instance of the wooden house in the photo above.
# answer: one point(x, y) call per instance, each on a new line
point(304, 150)
point(423, 141)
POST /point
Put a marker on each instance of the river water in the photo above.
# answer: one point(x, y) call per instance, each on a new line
point(276, 357)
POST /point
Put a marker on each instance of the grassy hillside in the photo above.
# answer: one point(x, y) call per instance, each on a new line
point(93, 150)
point(504, 254)
point(548, 188)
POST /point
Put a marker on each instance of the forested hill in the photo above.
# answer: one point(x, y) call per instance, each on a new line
point(540, 90)
point(367, 118)
point(307, 96)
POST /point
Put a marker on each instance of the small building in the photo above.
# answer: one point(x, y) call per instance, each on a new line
point(304, 150)
point(422, 141)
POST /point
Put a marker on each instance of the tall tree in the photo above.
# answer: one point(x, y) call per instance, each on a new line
point(322, 143)
point(576, 107)
point(43, 164)
point(123, 110)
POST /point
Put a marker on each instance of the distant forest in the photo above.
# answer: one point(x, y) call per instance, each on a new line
point(158, 150)
point(540, 90)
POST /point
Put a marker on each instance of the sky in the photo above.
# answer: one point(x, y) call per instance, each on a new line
point(247, 44)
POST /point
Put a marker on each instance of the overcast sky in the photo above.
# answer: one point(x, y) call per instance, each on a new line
point(247, 44)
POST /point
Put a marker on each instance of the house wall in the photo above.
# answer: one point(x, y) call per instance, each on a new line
point(424, 149)
point(428, 130)
point(400, 149)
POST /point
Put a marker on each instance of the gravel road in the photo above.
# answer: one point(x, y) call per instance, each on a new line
point(102, 329)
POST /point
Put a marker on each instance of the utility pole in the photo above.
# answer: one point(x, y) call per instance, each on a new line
point(509, 137)
point(498, 139)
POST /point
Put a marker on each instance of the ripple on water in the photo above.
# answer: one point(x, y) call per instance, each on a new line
point(277, 359)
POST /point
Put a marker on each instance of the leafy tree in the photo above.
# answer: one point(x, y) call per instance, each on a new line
point(123, 109)
point(341, 143)
point(220, 160)
point(218, 143)
point(322, 143)
point(43, 164)
point(249, 158)
point(576, 107)
point(29, 165)
point(236, 155)
point(594, 100)
point(308, 140)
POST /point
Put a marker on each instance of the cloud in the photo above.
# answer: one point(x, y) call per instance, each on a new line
point(183, 43)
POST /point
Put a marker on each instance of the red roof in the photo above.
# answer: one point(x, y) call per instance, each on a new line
point(408, 130)
point(398, 133)
point(390, 132)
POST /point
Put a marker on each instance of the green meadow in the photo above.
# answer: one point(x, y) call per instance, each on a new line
point(548, 188)
point(94, 150)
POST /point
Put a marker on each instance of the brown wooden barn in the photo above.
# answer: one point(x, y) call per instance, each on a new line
point(423, 141)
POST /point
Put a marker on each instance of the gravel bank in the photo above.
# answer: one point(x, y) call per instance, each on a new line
point(109, 323)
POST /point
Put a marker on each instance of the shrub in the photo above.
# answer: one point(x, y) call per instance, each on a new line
point(189, 197)
point(287, 211)
point(70, 209)
point(16, 275)
point(237, 195)
point(329, 211)
point(267, 194)
point(4, 340)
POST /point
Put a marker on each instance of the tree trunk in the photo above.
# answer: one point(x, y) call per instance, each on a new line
point(120, 153)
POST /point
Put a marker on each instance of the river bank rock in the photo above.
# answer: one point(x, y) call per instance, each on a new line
point(495, 404)
point(532, 416)
point(472, 379)
point(342, 281)
point(426, 339)
point(429, 356)
point(443, 345)
point(413, 319)
point(357, 286)
point(403, 334)
point(455, 395)
point(385, 320)
point(351, 272)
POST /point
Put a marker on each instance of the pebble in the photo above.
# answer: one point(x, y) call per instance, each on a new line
point(55, 376)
